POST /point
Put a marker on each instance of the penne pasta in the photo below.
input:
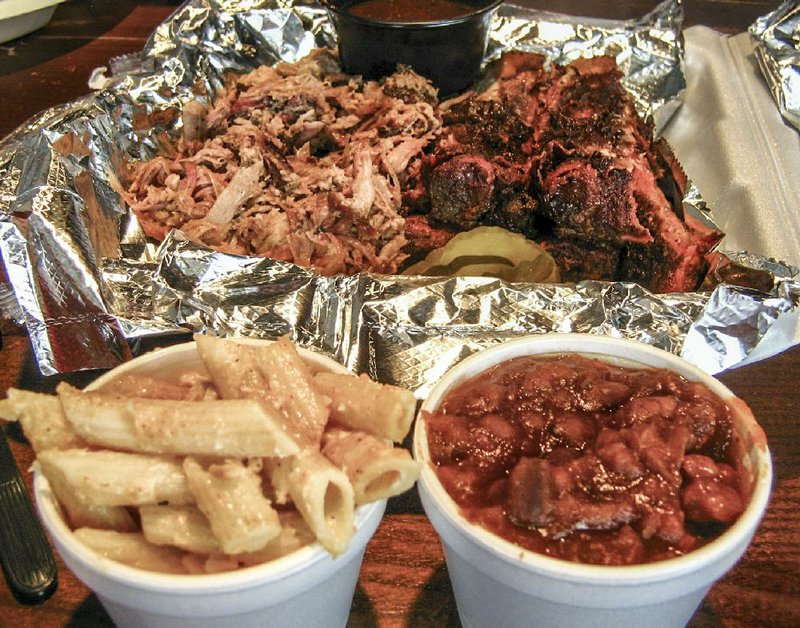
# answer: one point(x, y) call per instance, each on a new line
point(184, 527)
point(84, 514)
point(275, 374)
point(226, 428)
point(198, 388)
point(41, 419)
point(229, 494)
point(377, 470)
point(232, 368)
point(195, 564)
point(180, 474)
point(294, 535)
point(131, 548)
point(113, 478)
point(359, 403)
point(292, 389)
point(321, 492)
point(217, 563)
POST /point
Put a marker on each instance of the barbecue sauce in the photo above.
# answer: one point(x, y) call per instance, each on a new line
point(410, 10)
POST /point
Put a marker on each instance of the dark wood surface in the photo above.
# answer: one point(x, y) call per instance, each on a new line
point(404, 579)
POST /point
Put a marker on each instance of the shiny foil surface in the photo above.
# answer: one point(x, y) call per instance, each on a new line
point(776, 41)
point(87, 283)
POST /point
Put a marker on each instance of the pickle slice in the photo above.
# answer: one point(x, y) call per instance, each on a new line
point(489, 252)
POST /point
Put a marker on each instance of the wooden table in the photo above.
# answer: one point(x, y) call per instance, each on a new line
point(404, 580)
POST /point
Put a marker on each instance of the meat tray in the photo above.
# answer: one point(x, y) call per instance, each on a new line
point(88, 286)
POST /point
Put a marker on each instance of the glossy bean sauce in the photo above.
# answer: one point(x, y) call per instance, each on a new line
point(581, 460)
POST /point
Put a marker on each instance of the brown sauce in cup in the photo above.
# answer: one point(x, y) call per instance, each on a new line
point(410, 10)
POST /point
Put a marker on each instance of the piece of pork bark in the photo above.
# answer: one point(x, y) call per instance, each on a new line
point(530, 496)
point(561, 499)
point(479, 164)
point(604, 179)
point(580, 260)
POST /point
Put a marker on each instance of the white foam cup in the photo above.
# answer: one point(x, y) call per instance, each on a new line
point(499, 584)
point(307, 588)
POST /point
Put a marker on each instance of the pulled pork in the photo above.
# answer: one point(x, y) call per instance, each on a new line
point(296, 162)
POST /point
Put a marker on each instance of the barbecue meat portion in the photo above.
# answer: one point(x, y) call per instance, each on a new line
point(593, 198)
point(481, 164)
point(297, 162)
point(561, 155)
point(423, 236)
point(603, 180)
point(300, 162)
point(462, 190)
point(578, 259)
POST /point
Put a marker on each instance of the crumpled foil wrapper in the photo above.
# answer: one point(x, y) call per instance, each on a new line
point(89, 286)
point(776, 41)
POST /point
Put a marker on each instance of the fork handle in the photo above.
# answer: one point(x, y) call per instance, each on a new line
point(25, 553)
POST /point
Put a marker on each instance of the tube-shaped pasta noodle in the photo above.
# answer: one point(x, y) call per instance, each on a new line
point(196, 387)
point(360, 403)
point(114, 478)
point(131, 548)
point(229, 494)
point(225, 428)
point(376, 469)
point(217, 563)
point(295, 534)
point(321, 492)
point(293, 390)
point(41, 419)
point(184, 527)
point(232, 368)
point(276, 374)
point(83, 514)
point(46, 428)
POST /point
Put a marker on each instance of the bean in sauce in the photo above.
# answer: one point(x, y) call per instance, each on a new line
point(586, 461)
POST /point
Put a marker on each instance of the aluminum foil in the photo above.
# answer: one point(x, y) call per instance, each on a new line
point(88, 285)
point(649, 51)
point(776, 41)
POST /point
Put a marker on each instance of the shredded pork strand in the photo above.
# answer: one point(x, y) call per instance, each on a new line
point(296, 162)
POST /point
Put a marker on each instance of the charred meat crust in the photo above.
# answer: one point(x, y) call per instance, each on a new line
point(561, 155)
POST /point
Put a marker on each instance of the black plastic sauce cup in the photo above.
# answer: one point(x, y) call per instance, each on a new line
point(448, 52)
